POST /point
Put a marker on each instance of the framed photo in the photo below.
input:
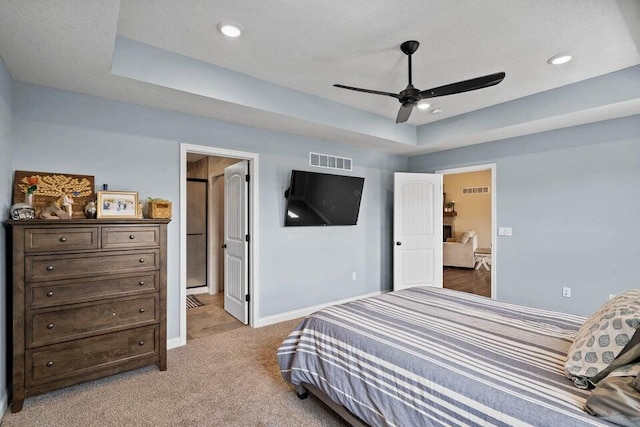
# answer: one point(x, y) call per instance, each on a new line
point(117, 204)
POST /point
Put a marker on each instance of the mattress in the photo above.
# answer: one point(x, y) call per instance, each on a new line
point(435, 357)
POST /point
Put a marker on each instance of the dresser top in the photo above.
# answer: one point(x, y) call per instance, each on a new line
point(75, 222)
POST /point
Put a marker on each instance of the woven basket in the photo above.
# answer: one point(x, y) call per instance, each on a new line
point(159, 210)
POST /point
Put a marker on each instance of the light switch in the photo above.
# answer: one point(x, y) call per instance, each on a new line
point(504, 231)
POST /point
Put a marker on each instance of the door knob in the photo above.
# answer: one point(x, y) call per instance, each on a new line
point(224, 246)
point(398, 243)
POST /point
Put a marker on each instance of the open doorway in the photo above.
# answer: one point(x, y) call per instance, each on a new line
point(468, 229)
point(206, 310)
point(218, 225)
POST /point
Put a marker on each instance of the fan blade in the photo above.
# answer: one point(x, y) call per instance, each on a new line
point(404, 113)
point(463, 86)
point(375, 92)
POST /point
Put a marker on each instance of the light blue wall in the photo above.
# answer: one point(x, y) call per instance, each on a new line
point(136, 148)
point(5, 200)
point(572, 197)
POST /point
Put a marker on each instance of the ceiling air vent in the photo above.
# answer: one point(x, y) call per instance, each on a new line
point(330, 162)
point(475, 190)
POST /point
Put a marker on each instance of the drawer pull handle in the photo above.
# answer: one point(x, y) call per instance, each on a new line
point(50, 326)
point(63, 239)
point(141, 283)
point(131, 236)
point(141, 259)
point(50, 268)
point(141, 343)
point(50, 293)
point(49, 364)
point(142, 310)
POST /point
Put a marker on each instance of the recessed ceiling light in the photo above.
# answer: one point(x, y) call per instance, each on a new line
point(436, 111)
point(424, 105)
point(559, 59)
point(230, 28)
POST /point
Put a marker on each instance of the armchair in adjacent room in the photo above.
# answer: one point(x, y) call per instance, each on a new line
point(460, 252)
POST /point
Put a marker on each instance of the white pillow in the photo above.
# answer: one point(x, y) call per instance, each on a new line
point(466, 236)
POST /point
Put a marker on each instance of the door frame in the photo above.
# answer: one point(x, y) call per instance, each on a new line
point(494, 228)
point(254, 243)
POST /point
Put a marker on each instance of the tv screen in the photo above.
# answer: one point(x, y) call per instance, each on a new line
point(322, 199)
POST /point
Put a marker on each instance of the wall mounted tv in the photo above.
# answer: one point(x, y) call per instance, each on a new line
point(322, 199)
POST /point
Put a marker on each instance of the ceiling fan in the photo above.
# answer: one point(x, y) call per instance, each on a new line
point(410, 97)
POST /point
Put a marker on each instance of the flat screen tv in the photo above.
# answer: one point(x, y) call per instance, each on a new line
point(322, 199)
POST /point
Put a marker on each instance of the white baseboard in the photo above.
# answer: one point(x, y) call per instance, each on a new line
point(198, 290)
point(295, 314)
point(175, 342)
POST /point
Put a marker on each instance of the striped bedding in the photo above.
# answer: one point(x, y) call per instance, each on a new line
point(435, 357)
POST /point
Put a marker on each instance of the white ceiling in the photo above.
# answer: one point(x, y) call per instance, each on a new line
point(308, 46)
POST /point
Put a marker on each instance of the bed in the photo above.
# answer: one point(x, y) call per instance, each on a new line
point(435, 357)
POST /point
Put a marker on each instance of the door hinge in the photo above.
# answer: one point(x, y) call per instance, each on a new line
point(247, 178)
point(247, 298)
point(246, 237)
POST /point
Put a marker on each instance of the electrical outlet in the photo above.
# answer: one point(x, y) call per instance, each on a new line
point(353, 275)
point(566, 292)
point(504, 231)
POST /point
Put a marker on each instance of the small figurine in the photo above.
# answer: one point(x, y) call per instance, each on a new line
point(55, 211)
point(67, 203)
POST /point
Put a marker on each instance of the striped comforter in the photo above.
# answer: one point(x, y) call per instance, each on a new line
point(434, 357)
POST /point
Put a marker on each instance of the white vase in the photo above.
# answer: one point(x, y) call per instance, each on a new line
point(28, 199)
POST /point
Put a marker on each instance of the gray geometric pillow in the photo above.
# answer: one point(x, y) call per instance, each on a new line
point(602, 338)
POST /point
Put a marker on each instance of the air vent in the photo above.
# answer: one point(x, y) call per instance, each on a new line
point(330, 162)
point(475, 190)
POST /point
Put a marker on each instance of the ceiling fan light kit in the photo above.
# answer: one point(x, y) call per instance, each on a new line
point(410, 96)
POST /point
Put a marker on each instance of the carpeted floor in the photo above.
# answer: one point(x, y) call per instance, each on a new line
point(227, 379)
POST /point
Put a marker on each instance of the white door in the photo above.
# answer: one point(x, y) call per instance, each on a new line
point(236, 245)
point(417, 230)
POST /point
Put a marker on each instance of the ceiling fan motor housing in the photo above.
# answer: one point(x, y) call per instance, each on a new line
point(410, 96)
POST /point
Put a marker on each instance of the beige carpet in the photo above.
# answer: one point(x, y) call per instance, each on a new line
point(228, 379)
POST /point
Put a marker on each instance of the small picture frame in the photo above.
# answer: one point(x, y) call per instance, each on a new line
point(117, 204)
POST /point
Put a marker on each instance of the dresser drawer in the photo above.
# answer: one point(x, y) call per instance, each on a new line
point(80, 357)
point(64, 324)
point(48, 294)
point(60, 239)
point(56, 267)
point(130, 237)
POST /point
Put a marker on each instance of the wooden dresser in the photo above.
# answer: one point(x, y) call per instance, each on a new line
point(89, 300)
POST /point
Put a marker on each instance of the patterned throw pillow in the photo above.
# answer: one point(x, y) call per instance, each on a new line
point(466, 236)
point(602, 338)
